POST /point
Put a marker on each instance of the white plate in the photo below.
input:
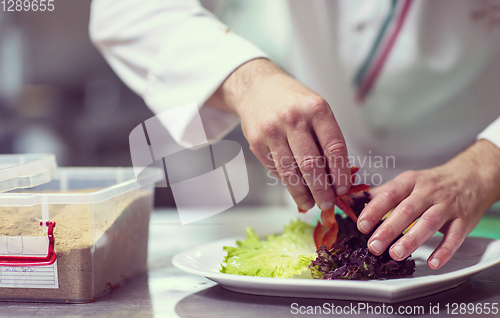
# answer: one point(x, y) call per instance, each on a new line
point(475, 255)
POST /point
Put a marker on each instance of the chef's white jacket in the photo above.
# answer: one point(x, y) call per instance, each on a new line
point(438, 91)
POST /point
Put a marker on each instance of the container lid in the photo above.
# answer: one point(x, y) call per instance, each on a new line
point(26, 171)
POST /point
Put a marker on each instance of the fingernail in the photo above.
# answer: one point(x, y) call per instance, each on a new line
point(326, 205)
point(434, 262)
point(398, 250)
point(307, 206)
point(342, 190)
point(365, 225)
point(376, 246)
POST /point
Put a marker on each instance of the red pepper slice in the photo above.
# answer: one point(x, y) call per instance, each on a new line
point(328, 217)
point(354, 171)
point(358, 188)
point(347, 198)
point(346, 209)
point(331, 236)
point(319, 233)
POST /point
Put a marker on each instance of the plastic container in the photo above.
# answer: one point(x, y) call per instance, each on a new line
point(26, 171)
point(101, 220)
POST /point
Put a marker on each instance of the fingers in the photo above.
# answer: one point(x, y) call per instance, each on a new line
point(312, 167)
point(288, 170)
point(264, 155)
point(403, 215)
point(388, 196)
point(305, 143)
point(450, 243)
point(333, 145)
point(428, 224)
point(375, 190)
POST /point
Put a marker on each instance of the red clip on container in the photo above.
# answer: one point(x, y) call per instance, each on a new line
point(70, 234)
point(49, 259)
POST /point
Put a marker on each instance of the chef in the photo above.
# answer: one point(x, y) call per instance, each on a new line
point(415, 83)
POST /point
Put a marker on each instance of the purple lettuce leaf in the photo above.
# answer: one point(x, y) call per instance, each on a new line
point(350, 259)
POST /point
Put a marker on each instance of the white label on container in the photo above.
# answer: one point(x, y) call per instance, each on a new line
point(27, 276)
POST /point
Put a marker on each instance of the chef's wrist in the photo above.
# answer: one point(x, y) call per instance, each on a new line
point(483, 158)
point(237, 86)
point(493, 153)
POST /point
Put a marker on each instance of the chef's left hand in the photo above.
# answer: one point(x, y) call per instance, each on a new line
point(450, 198)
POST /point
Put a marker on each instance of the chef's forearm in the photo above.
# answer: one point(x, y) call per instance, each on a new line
point(236, 86)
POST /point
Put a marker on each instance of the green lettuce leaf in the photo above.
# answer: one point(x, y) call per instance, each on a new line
point(282, 256)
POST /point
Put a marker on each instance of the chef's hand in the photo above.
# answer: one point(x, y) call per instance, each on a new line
point(450, 198)
point(290, 129)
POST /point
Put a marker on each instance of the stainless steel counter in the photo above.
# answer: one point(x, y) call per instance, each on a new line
point(165, 291)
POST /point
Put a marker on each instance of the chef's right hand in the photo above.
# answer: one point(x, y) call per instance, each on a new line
point(290, 129)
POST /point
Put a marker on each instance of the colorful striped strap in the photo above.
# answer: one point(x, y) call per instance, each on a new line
point(360, 74)
point(370, 69)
